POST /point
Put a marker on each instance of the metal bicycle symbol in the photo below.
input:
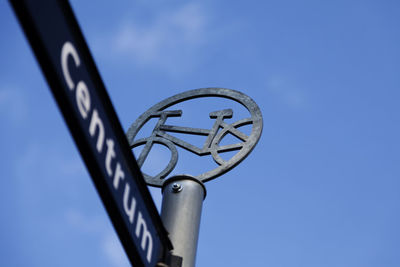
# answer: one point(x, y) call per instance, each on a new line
point(214, 135)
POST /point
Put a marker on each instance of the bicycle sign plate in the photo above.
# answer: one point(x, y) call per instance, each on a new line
point(212, 145)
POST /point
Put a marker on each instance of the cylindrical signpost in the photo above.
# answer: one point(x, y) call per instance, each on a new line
point(181, 212)
point(183, 195)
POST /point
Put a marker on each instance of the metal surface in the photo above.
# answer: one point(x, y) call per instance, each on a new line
point(171, 261)
point(214, 135)
point(181, 213)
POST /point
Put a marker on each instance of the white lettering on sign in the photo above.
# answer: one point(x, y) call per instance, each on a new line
point(96, 131)
point(97, 123)
point(146, 236)
point(129, 211)
point(68, 49)
point(82, 99)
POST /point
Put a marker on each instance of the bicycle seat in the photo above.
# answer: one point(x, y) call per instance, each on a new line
point(225, 113)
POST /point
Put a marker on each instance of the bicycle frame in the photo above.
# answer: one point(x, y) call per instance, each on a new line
point(211, 145)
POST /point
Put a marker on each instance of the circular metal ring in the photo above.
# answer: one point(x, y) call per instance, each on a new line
point(224, 166)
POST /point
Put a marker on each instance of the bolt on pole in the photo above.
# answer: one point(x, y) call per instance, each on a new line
point(181, 212)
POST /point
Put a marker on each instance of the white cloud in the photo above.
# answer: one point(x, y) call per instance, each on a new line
point(42, 172)
point(44, 176)
point(291, 95)
point(109, 244)
point(43, 161)
point(113, 251)
point(168, 42)
point(13, 104)
point(85, 223)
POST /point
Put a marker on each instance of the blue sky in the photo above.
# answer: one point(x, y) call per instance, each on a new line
point(321, 188)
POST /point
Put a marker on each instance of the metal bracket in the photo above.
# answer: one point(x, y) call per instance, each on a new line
point(171, 261)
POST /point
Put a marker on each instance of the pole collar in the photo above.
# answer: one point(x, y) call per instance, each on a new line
point(182, 177)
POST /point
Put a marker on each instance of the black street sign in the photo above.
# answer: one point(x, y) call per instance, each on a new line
point(70, 71)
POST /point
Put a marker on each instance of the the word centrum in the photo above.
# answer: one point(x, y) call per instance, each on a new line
point(104, 146)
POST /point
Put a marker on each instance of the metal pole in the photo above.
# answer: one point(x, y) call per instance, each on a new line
point(181, 212)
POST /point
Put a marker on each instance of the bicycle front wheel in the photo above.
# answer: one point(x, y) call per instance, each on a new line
point(148, 144)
